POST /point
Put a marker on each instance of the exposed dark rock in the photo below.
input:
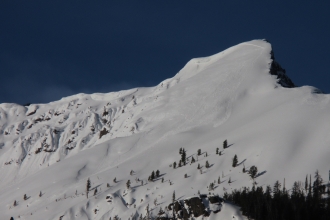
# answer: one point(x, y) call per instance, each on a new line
point(103, 132)
point(196, 207)
point(38, 120)
point(276, 70)
point(31, 113)
point(105, 113)
point(215, 199)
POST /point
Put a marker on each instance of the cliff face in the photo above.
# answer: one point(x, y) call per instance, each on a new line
point(280, 73)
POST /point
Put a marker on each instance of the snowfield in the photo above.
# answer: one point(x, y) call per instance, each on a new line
point(54, 148)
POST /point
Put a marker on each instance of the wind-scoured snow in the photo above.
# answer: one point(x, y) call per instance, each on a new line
point(54, 148)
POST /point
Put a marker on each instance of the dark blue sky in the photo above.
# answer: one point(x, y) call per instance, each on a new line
point(51, 49)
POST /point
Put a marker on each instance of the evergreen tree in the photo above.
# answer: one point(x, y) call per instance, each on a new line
point(152, 175)
point(180, 151)
point(199, 152)
point(219, 180)
point(207, 165)
point(183, 156)
point(108, 185)
point(217, 151)
point(309, 194)
point(317, 186)
point(128, 184)
point(211, 186)
point(306, 184)
point(180, 165)
point(88, 186)
point(25, 197)
point(15, 203)
point(115, 180)
point(193, 160)
point(277, 189)
point(253, 172)
point(173, 200)
point(157, 173)
point(174, 165)
point(268, 193)
point(161, 212)
point(225, 144)
point(205, 154)
point(162, 179)
point(40, 194)
point(198, 166)
point(95, 191)
point(235, 161)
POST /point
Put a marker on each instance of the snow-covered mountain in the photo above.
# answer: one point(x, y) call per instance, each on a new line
point(241, 95)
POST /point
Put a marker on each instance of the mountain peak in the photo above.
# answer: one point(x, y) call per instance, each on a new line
point(255, 52)
point(49, 151)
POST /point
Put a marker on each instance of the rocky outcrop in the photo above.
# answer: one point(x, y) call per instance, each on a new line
point(196, 206)
point(276, 70)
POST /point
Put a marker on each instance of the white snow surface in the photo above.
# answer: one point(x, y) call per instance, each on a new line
point(285, 132)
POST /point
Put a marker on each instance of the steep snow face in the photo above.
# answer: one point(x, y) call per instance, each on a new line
point(237, 95)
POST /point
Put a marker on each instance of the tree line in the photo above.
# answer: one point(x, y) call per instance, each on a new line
point(302, 202)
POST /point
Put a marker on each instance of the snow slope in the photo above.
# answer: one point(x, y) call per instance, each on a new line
point(54, 148)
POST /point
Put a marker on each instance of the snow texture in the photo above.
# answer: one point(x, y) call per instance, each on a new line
point(54, 148)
